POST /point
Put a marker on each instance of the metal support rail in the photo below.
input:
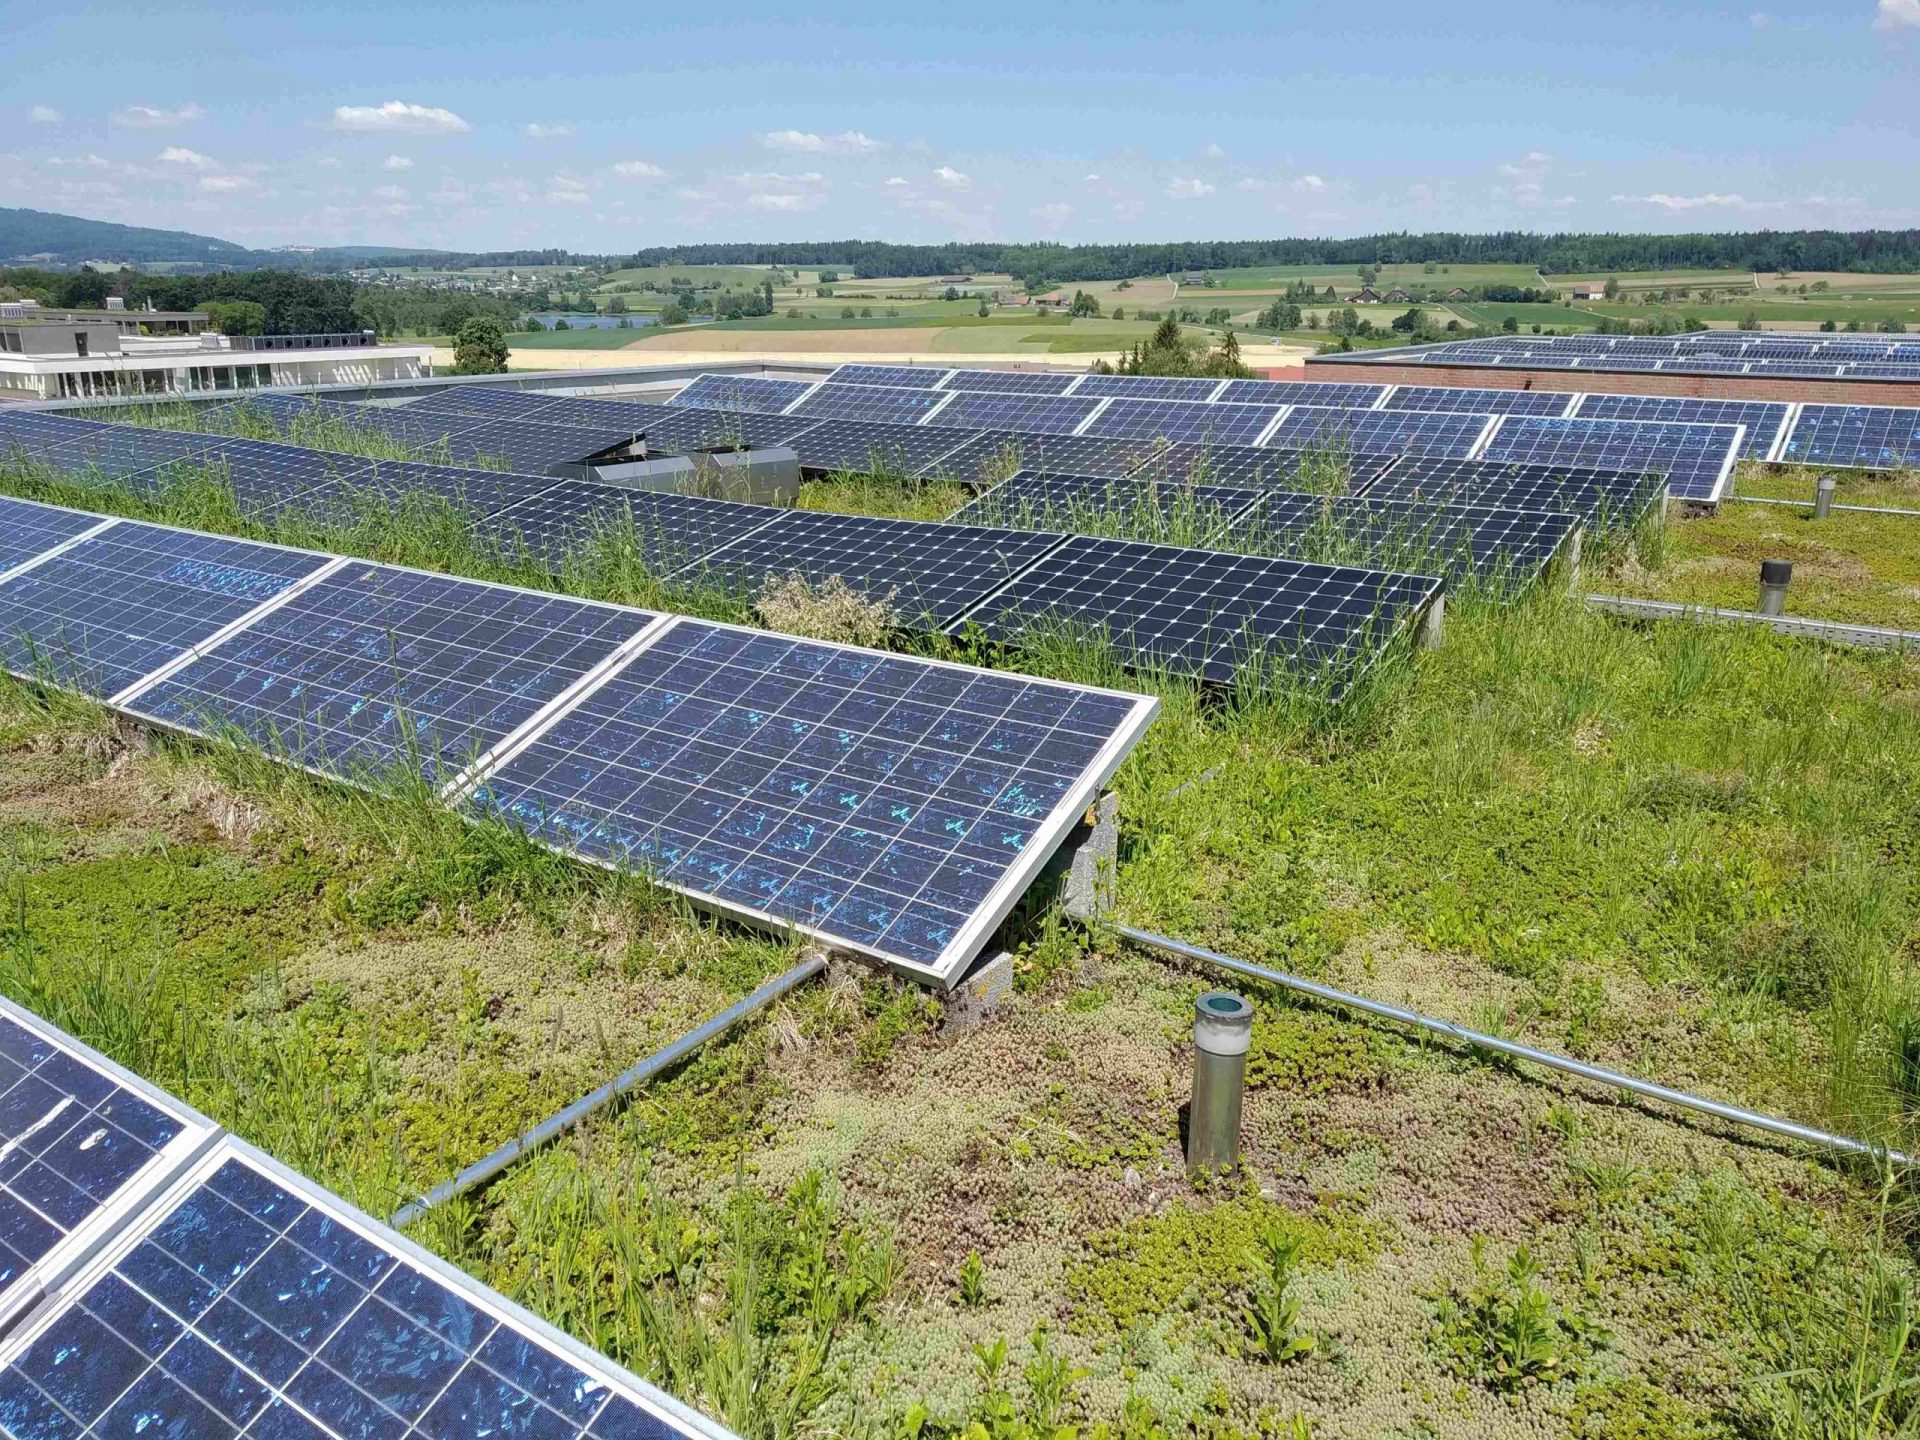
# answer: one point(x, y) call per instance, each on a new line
point(485, 1169)
point(1835, 632)
point(1808, 505)
point(1599, 1075)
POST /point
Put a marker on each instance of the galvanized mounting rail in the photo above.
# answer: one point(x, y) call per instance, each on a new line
point(1808, 505)
point(1734, 1114)
point(1834, 632)
point(484, 1170)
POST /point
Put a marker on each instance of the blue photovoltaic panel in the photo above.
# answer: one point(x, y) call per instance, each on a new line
point(870, 402)
point(1886, 370)
point(533, 448)
point(911, 377)
point(1207, 613)
point(27, 529)
point(1705, 364)
point(77, 1133)
point(1500, 546)
point(566, 523)
point(472, 492)
point(252, 1301)
point(1335, 393)
point(741, 392)
point(376, 667)
point(889, 804)
point(1763, 418)
point(485, 402)
point(1028, 382)
point(1246, 465)
point(871, 446)
point(1147, 387)
point(1060, 414)
point(924, 573)
point(133, 598)
point(1419, 432)
point(1105, 505)
point(583, 412)
point(1602, 499)
point(1695, 459)
point(693, 429)
point(1861, 437)
point(1479, 402)
point(1183, 420)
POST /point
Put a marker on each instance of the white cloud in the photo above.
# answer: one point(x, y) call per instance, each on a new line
point(1053, 216)
point(1421, 192)
point(804, 142)
point(1529, 182)
point(952, 178)
point(780, 202)
point(1129, 210)
point(225, 184)
point(396, 162)
point(154, 117)
point(1759, 20)
point(1312, 184)
point(639, 170)
point(1897, 15)
point(535, 130)
point(896, 181)
point(775, 179)
point(568, 190)
point(44, 115)
point(1183, 189)
point(390, 192)
point(399, 115)
point(1214, 152)
point(180, 155)
point(1688, 202)
point(1089, 179)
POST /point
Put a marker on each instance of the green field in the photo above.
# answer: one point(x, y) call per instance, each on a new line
point(1346, 278)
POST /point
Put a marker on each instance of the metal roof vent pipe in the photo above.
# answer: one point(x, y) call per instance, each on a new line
point(1823, 489)
point(1775, 576)
point(1222, 1030)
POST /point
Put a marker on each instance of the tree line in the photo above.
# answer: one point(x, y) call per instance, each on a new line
point(287, 304)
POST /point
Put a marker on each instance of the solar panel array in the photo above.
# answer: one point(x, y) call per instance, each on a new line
point(1765, 420)
point(1158, 420)
point(1695, 459)
point(204, 1291)
point(1719, 352)
point(1416, 432)
point(1602, 499)
point(895, 405)
point(1861, 436)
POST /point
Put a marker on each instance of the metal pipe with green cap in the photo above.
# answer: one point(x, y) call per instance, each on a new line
point(1823, 489)
point(1222, 1030)
point(1775, 576)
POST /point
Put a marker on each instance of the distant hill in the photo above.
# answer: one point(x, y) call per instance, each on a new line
point(69, 238)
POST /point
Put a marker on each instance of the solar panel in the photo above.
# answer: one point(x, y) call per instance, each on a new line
point(1805, 369)
point(1479, 402)
point(1144, 509)
point(1184, 420)
point(1602, 499)
point(883, 803)
point(375, 668)
point(689, 430)
point(1886, 370)
point(871, 402)
point(988, 457)
point(1704, 365)
point(484, 401)
point(533, 448)
point(1248, 466)
point(925, 573)
point(1419, 432)
point(1019, 382)
point(871, 446)
point(1697, 460)
point(250, 1300)
point(264, 475)
point(1061, 414)
point(1206, 613)
point(1500, 546)
point(1763, 418)
point(1004, 451)
point(472, 492)
point(28, 529)
point(572, 520)
point(1336, 393)
point(1146, 387)
point(1860, 437)
point(742, 392)
point(82, 1140)
point(912, 377)
point(131, 599)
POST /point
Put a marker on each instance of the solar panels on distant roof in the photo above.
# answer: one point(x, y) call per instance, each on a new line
point(575, 518)
point(1183, 420)
point(1208, 614)
point(742, 392)
point(1061, 414)
point(1603, 499)
point(28, 529)
point(1863, 437)
point(871, 402)
point(912, 377)
point(1147, 387)
point(1763, 418)
point(249, 1300)
point(1886, 370)
point(925, 573)
point(1697, 460)
point(1479, 402)
point(870, 446)
point(1504, 546)
point(1419, 432)
point(1027, 382)
point(131, 599)
point(888, 804)
point(83, 1139)
point(376, 667)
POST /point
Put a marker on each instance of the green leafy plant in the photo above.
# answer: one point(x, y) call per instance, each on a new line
point(1506, 1332)
point(971, 1283)
point(1273, 1314)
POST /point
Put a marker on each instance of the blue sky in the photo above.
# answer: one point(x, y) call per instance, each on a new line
point(595, 127)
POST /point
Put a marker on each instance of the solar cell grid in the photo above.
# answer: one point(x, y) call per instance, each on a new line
point(741, 392)
point(912, 377)
point(1206, 613)
point(587, 413)
point(1419, 432)
point(712, 429)
point(1763, 418)
point(889, 804)
point(473, 492)
point(567, 522)
point(28, 529)
point(871, 402)
point(1245, 465)
point(1006, 451)
point(486, 402)
point(1183, 420)
point(264, 475)
point(532, 448)
point(1060, 414)
point(253, 1301)
point(376, 667)
point(1602, 499)
point(1706, 364)
point(1146, 387)
point(925, 573)
point(1019, 382)
point(1139, 509)
point(1338, 394)
point(1696, 459)
point(872, 446)
point(1478, 402)
point(1886, 369)
point(125, 602)
point(1860, 437)
point(1505, 547)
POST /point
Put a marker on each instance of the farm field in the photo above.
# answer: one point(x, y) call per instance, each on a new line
point(1584, 835)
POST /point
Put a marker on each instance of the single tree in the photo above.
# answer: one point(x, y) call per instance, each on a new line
point(480, 347)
